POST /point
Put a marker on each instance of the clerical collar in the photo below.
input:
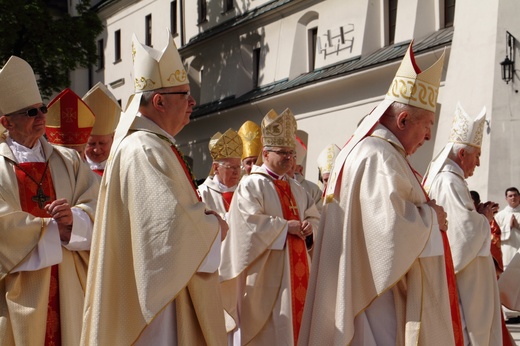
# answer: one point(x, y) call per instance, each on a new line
point(23, 154)
point(164, 133)
point(95, 165)
point(272, 174)
point(222, 187)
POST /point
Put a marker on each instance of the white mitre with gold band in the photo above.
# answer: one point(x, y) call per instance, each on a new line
point(250, 134)
point(464, 130)
point(227, 145)
point(410, 86)
point(18, 87)
point(279, 130)
point(105, 107)
point(153, 69)
point(326, 158)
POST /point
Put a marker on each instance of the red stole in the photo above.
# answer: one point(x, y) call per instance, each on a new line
point(450, 278)
point(186, 169)
point(297, 256)
point(98, 171)
point(28, 190)
point(226, 197)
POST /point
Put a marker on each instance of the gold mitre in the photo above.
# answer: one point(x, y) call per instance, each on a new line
point(69, 120)
point(18, 87)
point(465, 130)
point(413, 87)
point(250, 134)
point(279, 130)
point(227, 145)
point(154, 69)
point(327, 157)
point(105, 107)
point(301, 151)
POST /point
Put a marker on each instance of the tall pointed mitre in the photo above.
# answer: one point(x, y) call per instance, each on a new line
point(105, 107)
point(326, 158)
point(227, 145)
point(301, 151)
point(279, 130)
point(154, 69)
point(410, 86)
point(250, 134)
point(464, 130)
point(69, 120)
point(18, 87)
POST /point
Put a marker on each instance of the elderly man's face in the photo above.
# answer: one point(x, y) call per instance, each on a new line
point(469, 160)
point(228, 171)
point(98, 147)
point(178, 104)
point(21, 126)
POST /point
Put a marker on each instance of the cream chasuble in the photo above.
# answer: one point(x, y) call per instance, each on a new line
point(25, 293)
point(470, 236)
point(377, 235)
point(510, 237)
point(211, 194)
point(313, 190)
point(509, 284)
point(150, 238)
point(256, 277)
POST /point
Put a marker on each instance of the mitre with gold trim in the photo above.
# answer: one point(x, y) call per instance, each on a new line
point(250, 133)
point(227, 145)
point(279, 130)
point(155, 69)
point(464, 130)
point(69, 120)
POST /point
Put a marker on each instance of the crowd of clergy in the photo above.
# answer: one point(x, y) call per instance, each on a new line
point(106, 238)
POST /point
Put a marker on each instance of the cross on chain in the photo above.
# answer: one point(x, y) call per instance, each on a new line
point(40, 197)
point(293, 208)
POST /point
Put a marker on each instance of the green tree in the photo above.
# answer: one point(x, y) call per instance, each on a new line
point(49, 39)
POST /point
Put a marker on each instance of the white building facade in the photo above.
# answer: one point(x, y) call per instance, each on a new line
point(330, 61)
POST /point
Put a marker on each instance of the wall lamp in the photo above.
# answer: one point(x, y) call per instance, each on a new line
point(508, 65)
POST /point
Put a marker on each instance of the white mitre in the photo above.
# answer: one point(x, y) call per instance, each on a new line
point(327, 157)
point(410, 86)
point(301, 151)
point(153, 69)
point(105, 107)
point(18, 87)
point(464, 130)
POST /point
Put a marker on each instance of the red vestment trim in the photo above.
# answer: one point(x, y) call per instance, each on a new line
point(297, 256)
point(98, 171)
point(227, 196)
point(187, 171)
point(28, 189)
point(450, 278)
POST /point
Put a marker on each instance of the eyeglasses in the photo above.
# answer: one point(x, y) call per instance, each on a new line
point(283, 152)
point(32, 112)
point(235, 168)
point(185, 93)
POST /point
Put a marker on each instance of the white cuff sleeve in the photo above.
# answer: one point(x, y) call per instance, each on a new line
point(47, 253)
point(81, 236)
point(212, 260)
point(279, 243)
point(434, 246)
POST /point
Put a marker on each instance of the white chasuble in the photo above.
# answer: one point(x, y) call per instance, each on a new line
point(256, 277)
point(369, 248)
point(150, 238)
point(470, 240)
point(25, 292)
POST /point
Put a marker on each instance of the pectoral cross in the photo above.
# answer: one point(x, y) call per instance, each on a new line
point(40, 197)
point(293, 208)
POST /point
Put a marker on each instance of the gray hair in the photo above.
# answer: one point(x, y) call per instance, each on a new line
point(457, 147)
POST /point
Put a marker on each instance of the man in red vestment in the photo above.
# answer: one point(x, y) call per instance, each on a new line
point(47, 203)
